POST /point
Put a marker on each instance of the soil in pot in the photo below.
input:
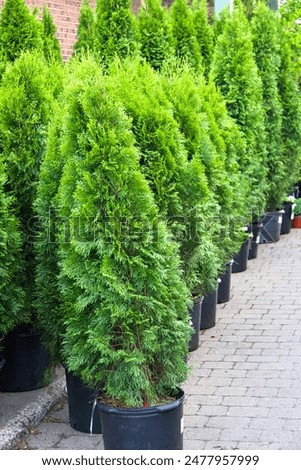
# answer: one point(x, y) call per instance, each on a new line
point(240, 262)
point(208, 311)
point(26, 361)
point(150, 428)
point(83, 414)
point(195, 317)
point(270, 232)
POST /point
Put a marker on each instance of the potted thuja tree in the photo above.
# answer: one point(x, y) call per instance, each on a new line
point(125, 302)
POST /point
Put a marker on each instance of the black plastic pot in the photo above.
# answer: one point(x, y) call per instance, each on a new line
point(2, 362)
point(208, 311)
point(195, 317)
point(254, 241)
point(286, 218)
point(150, 428)
point(224, 286)
point(270, 232)
point(83, 413)
point(240, 262)
point(26, 361)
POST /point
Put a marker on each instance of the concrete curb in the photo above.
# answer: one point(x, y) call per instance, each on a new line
point(32, 414)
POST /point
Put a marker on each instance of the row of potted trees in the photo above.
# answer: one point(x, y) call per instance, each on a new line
point(129, 183)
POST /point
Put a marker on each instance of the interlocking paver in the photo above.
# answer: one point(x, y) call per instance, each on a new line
point(244, 388)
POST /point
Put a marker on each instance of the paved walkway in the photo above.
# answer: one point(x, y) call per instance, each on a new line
point(244, 391)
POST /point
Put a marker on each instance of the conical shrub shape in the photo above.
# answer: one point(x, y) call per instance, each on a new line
point(124, 299)
point(85, 31)
point(155, 35)
point(51, 44)
point(115, 30)
point(208, 136)
point(12, 296)
point(19, 30)
point(235, 72)
point(203, 32)
point(184, 34)
point(267, 55)
point(25, 106)
point(180, 187)
point(291, 117)
point(290, 19)
point(48, 303)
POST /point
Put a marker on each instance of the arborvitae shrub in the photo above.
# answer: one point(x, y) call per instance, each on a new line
point(180, 187)
point(12, 296)
point(155, 35)
point(48, 303)
point(85, 30)
point(203, 32)
point(125, 302)
point(184, 34)
point(267, 55)
point(19, 30)
point(51, 44)
point(291, 118)
point(115, 30)
point(207, 135)
point(235, 72)
point(25, 106)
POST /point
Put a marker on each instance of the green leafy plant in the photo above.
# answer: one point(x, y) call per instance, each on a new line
point(51, 44)
point(179, 186)
point(19, 30)
point(235, 73)
point(267, 55)
point(203, 32)
point(155, 36)
point(85, 30)
point(184, 34)
point(25, 106)
point(125, 303)
point(12, 296)
point(297, 209)
point(115, 30)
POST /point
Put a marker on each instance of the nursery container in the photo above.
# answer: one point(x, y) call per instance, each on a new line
point(287, 217)
point(83, 414)
point(240, 262)
point(208, 311)
point(254, 241)
point(195, 317)
point(270, 232)
point(296, 222)
point(149, 428)
point(224, 286)
point(26, 361)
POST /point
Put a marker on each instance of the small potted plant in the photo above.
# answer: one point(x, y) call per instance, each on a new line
point(296, 222)
point(124, 298)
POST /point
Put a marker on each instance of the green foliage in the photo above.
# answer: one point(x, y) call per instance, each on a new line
point(180, 187)
point(25, 105)
point(203, 32)
point(12, 296)
point(267, 55)
point(51, 44)
point(214, 140)
point(85, 31)
point(19, 30)
point(297, 209)
point(290, 17)
point(126, 306)
point(235, 72)
point(184, 34)
point(48, 303)
point(115, 30)
point(291, 119)
point(155, 35)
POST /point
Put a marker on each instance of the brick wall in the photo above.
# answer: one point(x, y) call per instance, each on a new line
point(65, 14)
